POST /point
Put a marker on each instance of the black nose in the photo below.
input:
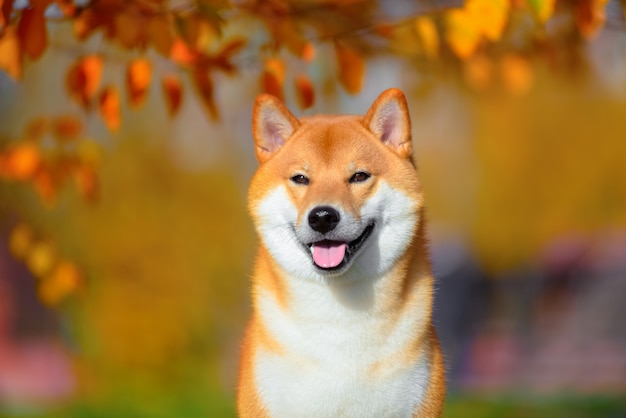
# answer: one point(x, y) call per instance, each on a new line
point(323, 219)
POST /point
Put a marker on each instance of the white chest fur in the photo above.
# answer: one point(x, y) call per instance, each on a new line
point(327, 367)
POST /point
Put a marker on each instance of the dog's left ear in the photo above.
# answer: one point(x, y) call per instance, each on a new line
point(388, 119)
point(272, 125)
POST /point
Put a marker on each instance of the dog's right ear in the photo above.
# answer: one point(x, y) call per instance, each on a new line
point(272, 125)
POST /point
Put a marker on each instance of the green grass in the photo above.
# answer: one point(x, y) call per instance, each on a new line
point(223, 406)
point(174, 406)
point(566, 406)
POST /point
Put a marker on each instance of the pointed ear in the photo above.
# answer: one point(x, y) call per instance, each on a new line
point(388, 119)
point(272, 125)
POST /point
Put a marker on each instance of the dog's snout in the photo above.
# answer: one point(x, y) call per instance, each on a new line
point(323, 219)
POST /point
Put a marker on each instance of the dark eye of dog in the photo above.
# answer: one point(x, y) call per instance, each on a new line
point(300, 179)
point(359, 177)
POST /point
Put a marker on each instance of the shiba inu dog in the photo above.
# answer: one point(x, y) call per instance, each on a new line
point(342, 285)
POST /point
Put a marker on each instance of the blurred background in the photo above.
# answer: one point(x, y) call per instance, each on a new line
point(125, 155)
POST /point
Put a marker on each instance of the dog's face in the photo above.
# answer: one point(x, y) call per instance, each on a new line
point(335, 196)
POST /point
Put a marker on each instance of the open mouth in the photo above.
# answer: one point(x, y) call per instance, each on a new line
point(335, 255)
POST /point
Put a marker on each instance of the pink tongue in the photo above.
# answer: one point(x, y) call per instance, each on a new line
point(328, 254)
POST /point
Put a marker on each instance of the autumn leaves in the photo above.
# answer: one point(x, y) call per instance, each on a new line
point(57, 277)
point(50, 154)
point(198, 40)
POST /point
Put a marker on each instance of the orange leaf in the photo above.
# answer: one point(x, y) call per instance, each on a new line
point(36, 128)
point(159, 33)
point(478, 72)
point(196, 32)
point(204, 85)
point(233, 46)
point(516, 74)
point(273, 77)
point(182, 54)
point(109, 102)
point(21, 162)
point(21, 240)
point(130, 28)
point(590, 16)
point(351, 68)
point(305, 91)
point(66, 128)
point(67, 7)
point(83, 79)
point(6, 8)
point(92, 70)
point(62, 281)
point(138, 77)
point(85, 23)
point(45, 186)
point(10, 59)
point(86, 182)
point(462, 33)
point(173, 91)
point(32, 32)
point(427, 32)
point(308, 52)
point(287, 33)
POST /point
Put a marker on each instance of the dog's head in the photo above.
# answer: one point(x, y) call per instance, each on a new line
point(335, 195)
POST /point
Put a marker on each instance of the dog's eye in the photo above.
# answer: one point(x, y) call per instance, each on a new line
point(359, 177)
point(300, 179)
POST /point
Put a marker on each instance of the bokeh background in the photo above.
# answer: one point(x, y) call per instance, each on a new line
point(126, 249)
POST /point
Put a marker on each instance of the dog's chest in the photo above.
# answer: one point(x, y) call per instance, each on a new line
point(341, 367)
point(297, 387)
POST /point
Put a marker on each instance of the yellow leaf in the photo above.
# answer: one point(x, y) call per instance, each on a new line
point(41, 258)
point(461, 32)
point(543, 9)
point(427, 32)
point(138, 78)
point(10, 59)
point(89, 152)
point(21, 240)
point(109, 106)
point(351, 68)
point(490, 16)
